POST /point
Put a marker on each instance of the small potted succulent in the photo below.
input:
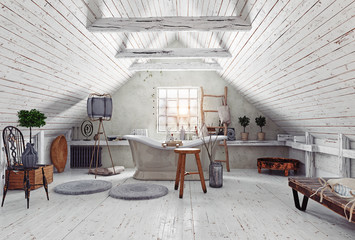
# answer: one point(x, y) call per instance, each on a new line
point(261, 122)
point(244, 122)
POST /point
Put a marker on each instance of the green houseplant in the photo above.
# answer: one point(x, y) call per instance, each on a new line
point(261, 122)
point(30, 119)
point(244, 122)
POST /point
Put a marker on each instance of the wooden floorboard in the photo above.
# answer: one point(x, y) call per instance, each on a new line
point(248, 206)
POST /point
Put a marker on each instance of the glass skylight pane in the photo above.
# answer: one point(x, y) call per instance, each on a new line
point(193, 93)
point(172, 93)
point(162, 103)
point(162, 93)
point(193, 122)
point(172, 123)
point(193, 111)
point(183, 93)
point(162, 111)
point(172, 107)
point(162, 123)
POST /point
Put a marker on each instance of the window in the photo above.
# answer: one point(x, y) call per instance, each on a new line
point(177, 107)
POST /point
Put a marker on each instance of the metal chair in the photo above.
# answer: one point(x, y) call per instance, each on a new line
point(14, 145)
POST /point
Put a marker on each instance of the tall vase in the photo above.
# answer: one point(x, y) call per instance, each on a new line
point(29, 157)
point(216, 174)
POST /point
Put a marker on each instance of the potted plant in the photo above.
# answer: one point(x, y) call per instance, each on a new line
point(261, 122)
point(215, 168)
point(30, 119)
point(244, 121)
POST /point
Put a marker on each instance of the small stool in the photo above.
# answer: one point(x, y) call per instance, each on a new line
point(180, 171)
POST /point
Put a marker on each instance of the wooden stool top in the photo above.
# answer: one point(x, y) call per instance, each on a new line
point(187, 150)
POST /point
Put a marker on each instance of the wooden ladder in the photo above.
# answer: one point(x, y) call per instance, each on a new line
point(213, 128)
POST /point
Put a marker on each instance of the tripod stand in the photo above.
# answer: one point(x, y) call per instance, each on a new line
point(97, 147)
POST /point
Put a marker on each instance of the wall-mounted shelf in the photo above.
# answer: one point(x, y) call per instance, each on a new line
point(102, 143)
point(254, 143)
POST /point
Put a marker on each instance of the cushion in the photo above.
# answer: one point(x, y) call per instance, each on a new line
point(342, 187)
point(107, 171)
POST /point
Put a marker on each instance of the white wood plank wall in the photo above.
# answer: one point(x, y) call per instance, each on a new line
point(295, 65)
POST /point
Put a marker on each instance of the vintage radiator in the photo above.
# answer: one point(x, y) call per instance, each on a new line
point(80, 157)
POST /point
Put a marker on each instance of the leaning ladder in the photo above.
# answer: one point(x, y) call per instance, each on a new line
point(211, 128)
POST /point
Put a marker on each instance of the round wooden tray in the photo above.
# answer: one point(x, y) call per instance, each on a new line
point(59, 153)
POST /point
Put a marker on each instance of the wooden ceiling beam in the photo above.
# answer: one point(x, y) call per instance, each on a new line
point(175, 53)
point(176, 24)
point(180, 66)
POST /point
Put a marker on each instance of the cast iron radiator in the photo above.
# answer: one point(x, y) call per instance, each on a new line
point(80, 157)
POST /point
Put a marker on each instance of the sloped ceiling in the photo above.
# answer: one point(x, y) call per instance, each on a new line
point(296, 64)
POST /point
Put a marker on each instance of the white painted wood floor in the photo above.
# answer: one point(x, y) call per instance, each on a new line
point(249, 206)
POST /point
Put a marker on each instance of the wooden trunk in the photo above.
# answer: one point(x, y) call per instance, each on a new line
point(284, 164)
point(16, 178)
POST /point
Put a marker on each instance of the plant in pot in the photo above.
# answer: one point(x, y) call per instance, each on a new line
point(244, 121)
point(215, 168)
point(261, 122)
point(30, 119)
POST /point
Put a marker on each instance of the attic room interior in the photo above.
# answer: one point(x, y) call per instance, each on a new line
point(177, 119)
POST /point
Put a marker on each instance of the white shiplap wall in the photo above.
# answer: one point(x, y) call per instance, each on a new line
point(296, 64)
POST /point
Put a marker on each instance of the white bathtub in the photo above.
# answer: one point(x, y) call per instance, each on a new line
point(154, 162)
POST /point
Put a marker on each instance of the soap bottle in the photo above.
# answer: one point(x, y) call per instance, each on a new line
point(182, 133)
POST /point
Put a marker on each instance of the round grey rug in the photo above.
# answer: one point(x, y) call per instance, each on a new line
point(138, 191)
point(83, 187)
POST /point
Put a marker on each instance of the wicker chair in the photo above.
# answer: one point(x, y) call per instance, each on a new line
point(14, 145)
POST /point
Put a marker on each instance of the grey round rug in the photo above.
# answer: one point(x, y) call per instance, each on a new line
point(138, 191)
point(83, 187)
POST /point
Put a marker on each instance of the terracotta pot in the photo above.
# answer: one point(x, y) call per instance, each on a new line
point(261, 136)
point(245, 136)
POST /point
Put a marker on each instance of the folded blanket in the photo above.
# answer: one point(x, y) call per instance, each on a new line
point(107, 171)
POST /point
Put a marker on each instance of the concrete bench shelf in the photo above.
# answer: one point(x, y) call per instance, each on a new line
point(255, 143)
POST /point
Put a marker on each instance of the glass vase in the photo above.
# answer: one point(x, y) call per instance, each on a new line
point(216, 174)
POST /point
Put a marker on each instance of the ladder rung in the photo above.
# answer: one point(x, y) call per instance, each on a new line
point(210, 111)
point(220, 160)
point(209, 95)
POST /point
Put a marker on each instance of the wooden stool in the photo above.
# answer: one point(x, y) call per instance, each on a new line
point(180, 171)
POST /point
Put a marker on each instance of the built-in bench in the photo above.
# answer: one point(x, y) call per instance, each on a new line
point(308, 186)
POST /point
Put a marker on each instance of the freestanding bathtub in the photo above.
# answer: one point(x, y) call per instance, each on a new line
point(155, 162)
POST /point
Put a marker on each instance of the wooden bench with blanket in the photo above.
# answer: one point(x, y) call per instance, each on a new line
point(309, 186)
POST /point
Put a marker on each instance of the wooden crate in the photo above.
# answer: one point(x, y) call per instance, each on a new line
point(16, 178)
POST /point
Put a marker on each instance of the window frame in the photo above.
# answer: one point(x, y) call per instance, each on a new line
point(177, 99)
